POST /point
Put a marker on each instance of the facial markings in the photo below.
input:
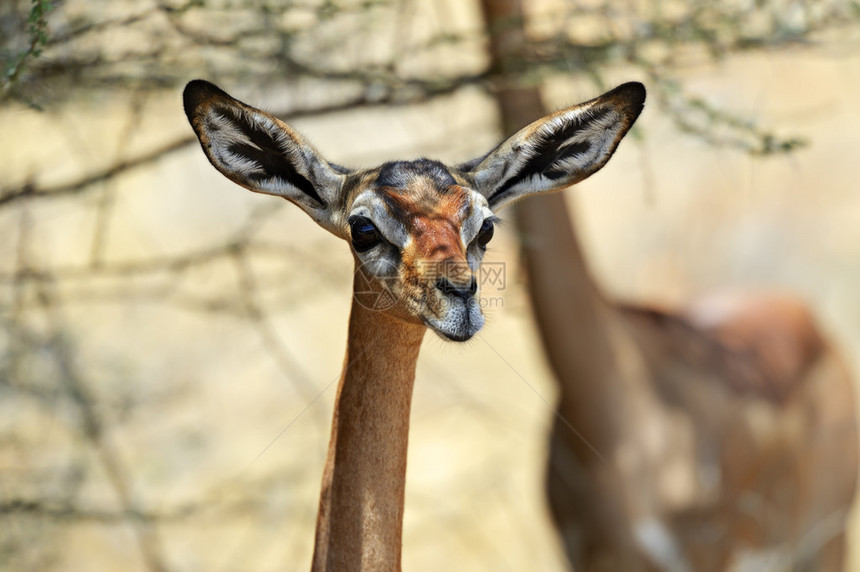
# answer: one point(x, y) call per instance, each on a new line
point(433, 217)
point(372, 206)
point(432, 221)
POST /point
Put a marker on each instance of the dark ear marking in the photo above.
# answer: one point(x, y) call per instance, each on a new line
point(558, 150)
point(549, 152)
point(197, 93)
point(263, 154)
point(263, 148)
point(340, 169)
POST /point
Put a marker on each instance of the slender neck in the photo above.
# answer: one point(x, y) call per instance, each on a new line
point(584, 340)
point(360, 520)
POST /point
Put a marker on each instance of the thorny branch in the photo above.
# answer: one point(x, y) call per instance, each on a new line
point(411, 93)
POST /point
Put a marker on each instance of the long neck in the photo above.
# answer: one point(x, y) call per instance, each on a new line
point(577, 325)
point(360, 520)
point(585, 343)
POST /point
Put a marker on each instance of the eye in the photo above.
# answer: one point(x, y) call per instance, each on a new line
point(365, 235)
point(485, 234)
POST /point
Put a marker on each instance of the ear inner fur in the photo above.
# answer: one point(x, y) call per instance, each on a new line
point(258, 151)
point(558, 150)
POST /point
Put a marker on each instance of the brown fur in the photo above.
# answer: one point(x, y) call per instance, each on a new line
point(410, 218)
point(361, 503)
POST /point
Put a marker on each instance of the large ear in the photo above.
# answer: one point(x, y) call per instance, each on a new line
point(260, 152)
point(559, 150)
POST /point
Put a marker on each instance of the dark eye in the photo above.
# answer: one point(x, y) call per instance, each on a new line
point(485, 234)
point(365, 235)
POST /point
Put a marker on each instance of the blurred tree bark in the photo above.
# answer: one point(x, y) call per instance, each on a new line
point(560, 287)
point(585, 343)
point(575, 324)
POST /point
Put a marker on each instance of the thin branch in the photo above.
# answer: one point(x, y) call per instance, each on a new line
point(93, 429)
point(410, 93)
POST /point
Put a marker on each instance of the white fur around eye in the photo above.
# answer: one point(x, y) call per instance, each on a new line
point(368, 204)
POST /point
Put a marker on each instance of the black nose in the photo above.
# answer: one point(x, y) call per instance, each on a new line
point(450, 290)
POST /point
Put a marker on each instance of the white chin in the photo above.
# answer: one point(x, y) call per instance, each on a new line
point(461, 321)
